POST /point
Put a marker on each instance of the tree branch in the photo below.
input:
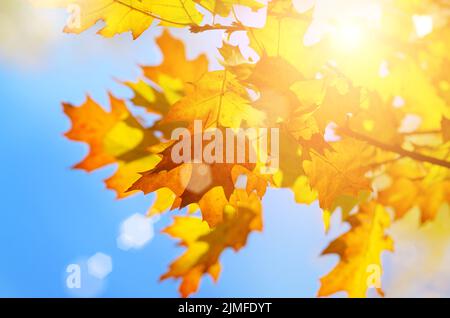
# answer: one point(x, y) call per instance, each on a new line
point(395, 149)
point(208, 27)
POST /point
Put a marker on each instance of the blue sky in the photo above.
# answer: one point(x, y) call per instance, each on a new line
point(53, 216)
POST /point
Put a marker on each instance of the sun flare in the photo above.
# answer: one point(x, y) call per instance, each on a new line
point(348, 37)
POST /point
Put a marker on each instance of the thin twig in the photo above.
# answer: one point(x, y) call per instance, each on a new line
point(395, 149)
point(209, 27)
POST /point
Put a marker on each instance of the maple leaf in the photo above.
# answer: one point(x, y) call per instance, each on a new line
point(336, 106)
point(340, 172)
point(127, 15)
point(232, 57)
point(275, 89)
point(175, 64)
point(282, 36)
point(360, 253)
point(414, 186)
point(377, 118)
point(113, 137)
point(205, 245)
point(208, 184)
point(127, 173)
point(146, 96)
point(217, 99)
point(166, 83)
point(305, 130)
point(164, 199)
point(137, 16)
point(94, 132)
point(303, 192)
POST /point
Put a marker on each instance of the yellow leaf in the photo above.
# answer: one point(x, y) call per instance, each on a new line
point(303, 192)
point(340, 172)
point(113, 137)
point(360, 251)
point(91, 124)
point(218, 98)
point(410, 189)
point(127, 173)
point(283, 36)
point(175, 64)
point(209, 185)
point(127, 15)
point(205, 245)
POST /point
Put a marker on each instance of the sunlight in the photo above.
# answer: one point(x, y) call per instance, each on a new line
point(348, 36)
point(423, 25)
point(346, 25)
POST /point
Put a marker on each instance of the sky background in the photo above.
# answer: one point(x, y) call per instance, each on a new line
point(52, 216)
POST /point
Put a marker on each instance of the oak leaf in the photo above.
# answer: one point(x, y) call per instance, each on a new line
point(415, 186)
point(360, 251)
point(113, 137)
point(128, 15)
point(205, 245)
point(208, 184)
point(217, 99)
point(342, 171)
point(175, 63)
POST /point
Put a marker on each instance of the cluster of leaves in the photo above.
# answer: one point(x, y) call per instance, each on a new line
point(375, 169)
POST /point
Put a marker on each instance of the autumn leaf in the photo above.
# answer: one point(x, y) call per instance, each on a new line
point(232, 57)
point(93, 132)
point(175, 64)
point(275, 89)
point(208, 184)
point(337, 105)
point(127, 15)
point(137, 16)
point(205, 245)
point(413, 186)
point(360, 251)
point(165, 198)
point(164, 84)
point(127, 173)
point(303, 192)
point(148, 97)
point(99, 134)
point(282, 36)
point(113, 137)
point(340, 172)
point(217, 99)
